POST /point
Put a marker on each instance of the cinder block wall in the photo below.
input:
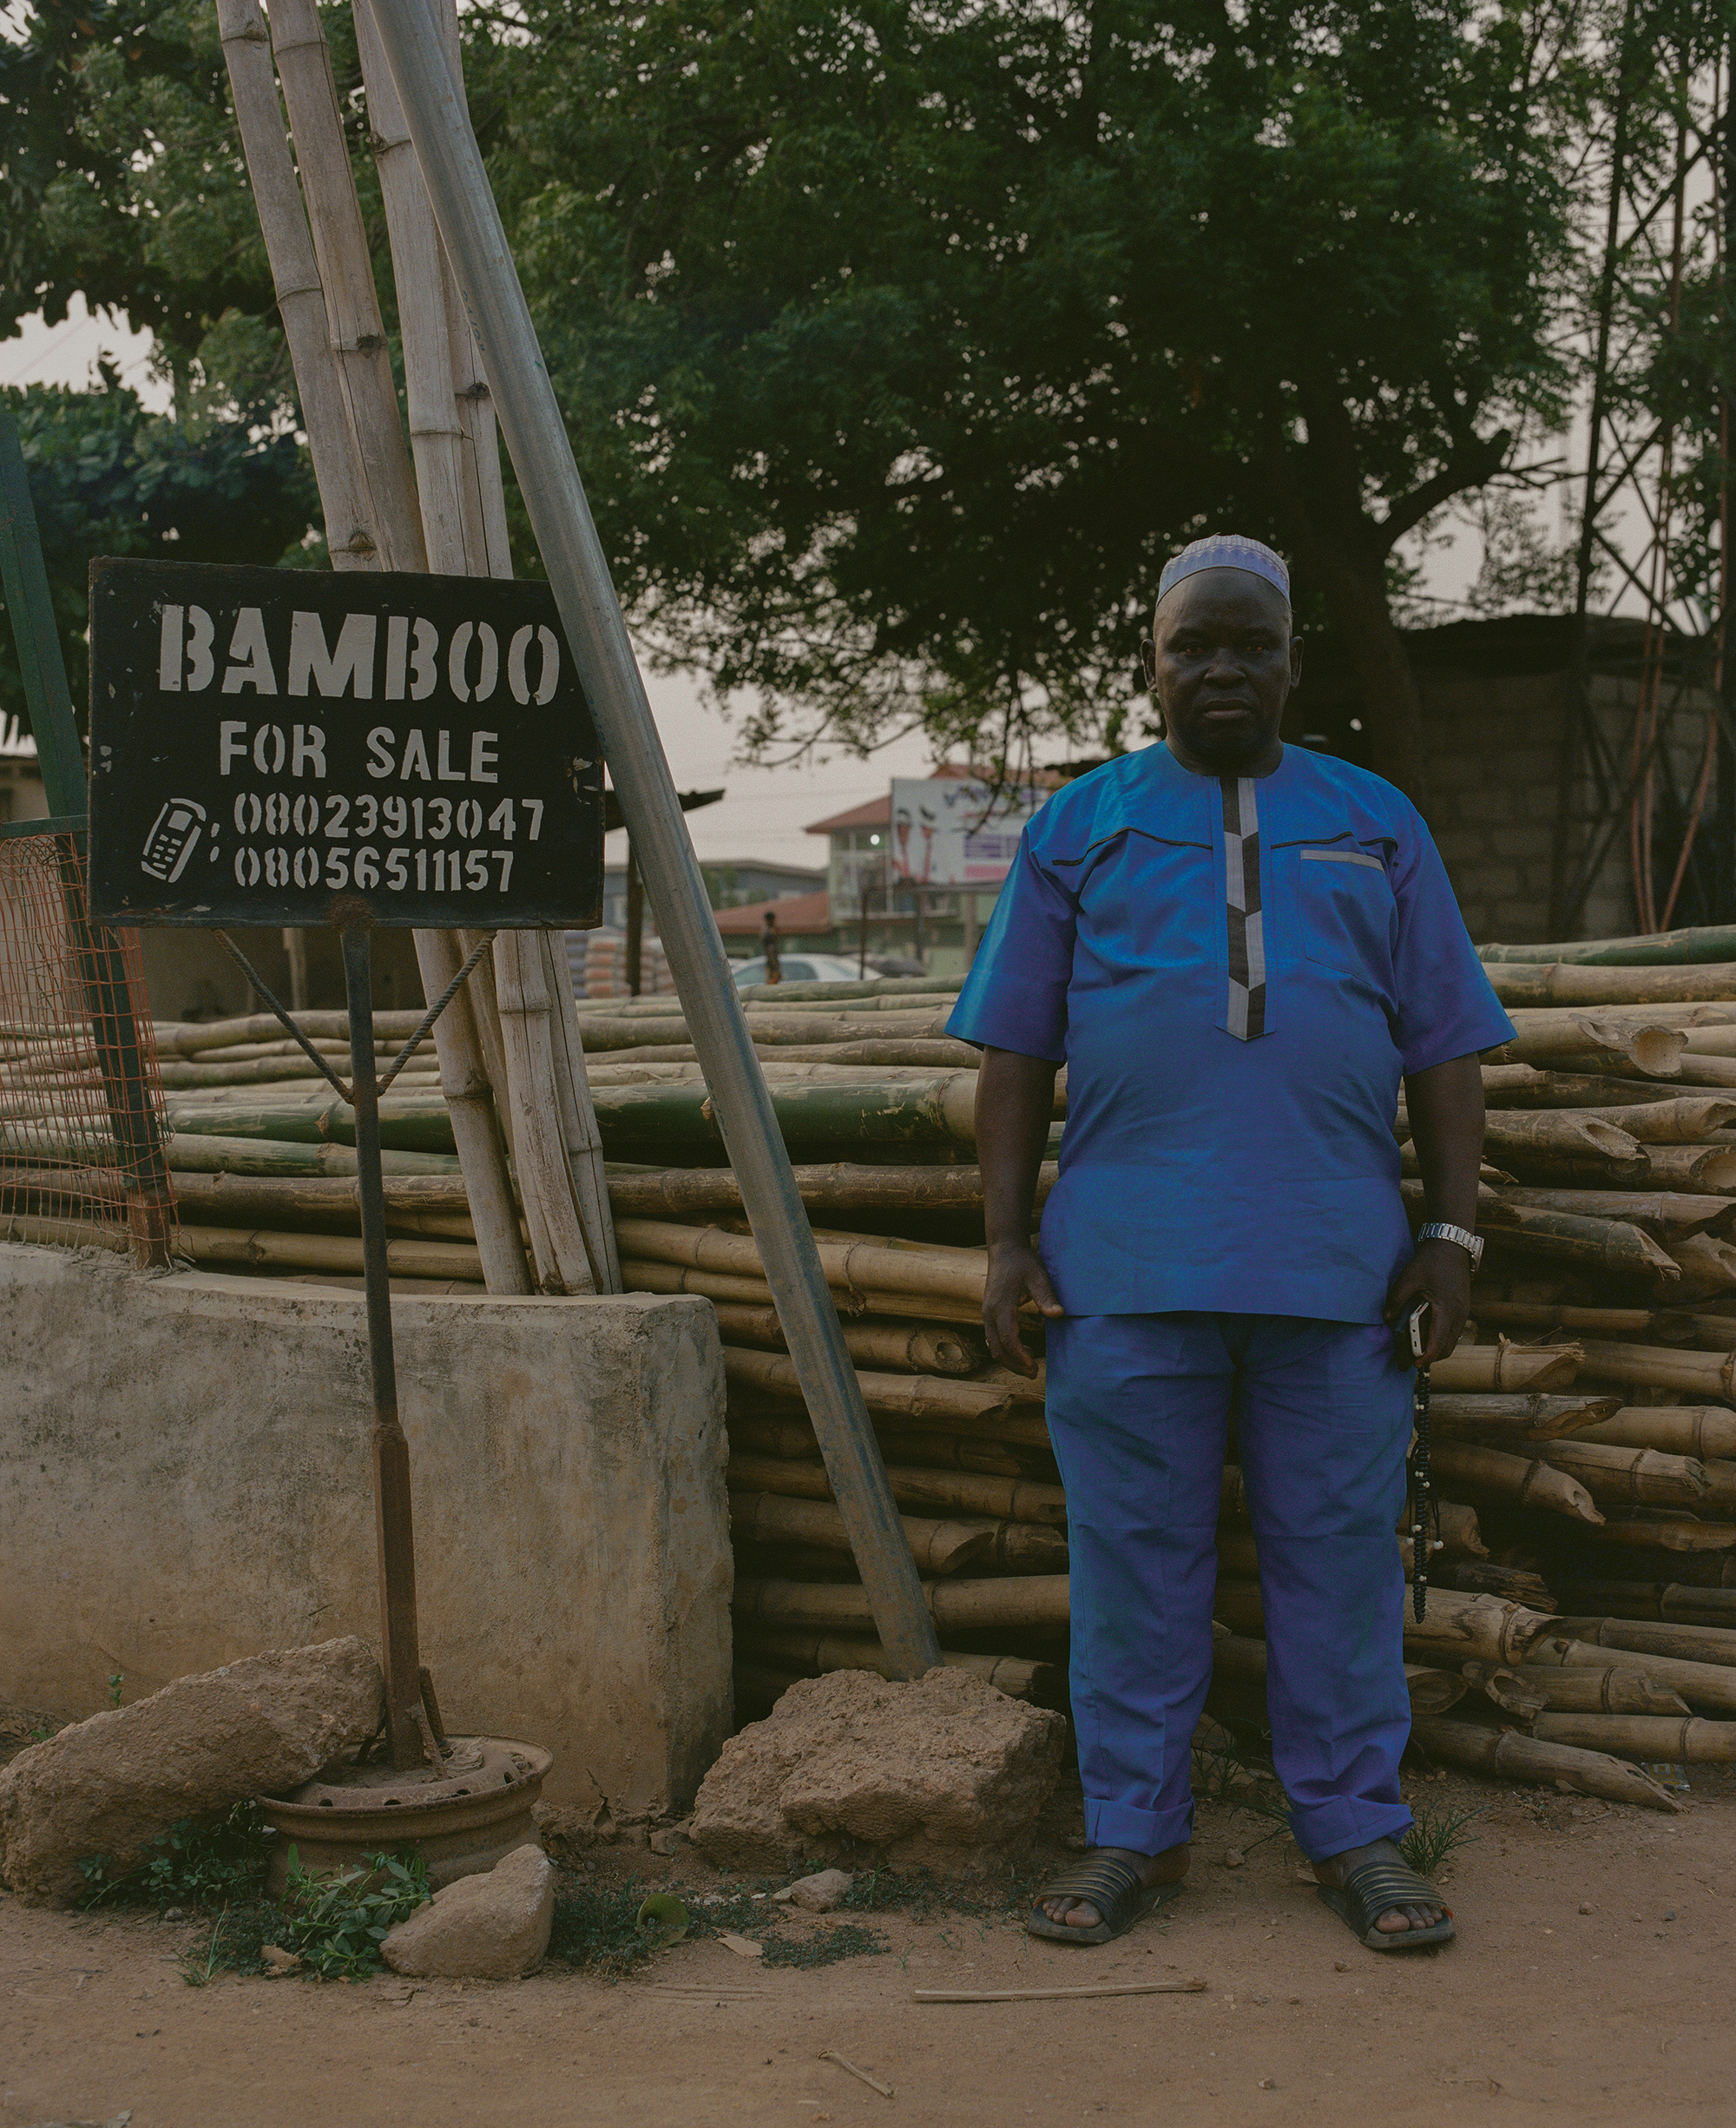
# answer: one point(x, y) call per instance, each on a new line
point(1495, 744)
point(1493, 697)
point(185, 1478)
point(1493, 759)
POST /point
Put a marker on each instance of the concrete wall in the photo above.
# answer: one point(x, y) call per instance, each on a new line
point(185, 1478)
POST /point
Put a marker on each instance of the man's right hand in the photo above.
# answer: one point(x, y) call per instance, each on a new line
point(1016, 1276)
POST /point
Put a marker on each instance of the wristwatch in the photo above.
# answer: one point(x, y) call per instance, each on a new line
point(1438, 1230)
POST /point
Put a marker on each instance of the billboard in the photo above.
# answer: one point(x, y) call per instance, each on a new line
point(953, 831)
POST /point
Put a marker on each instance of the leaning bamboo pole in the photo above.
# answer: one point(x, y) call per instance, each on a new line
point(544, 1076)
point(350, 407)
point(469, 1092)
point(563, 1263)
point(352, 537)
point(582, 1136)
point(358, 334)
point(437, 440)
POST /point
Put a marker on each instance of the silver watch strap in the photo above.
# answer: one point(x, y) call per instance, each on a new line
point(1438, 1230)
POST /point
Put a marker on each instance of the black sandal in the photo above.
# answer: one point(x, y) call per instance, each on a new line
point(1375, 1887)
point(1112, 1884)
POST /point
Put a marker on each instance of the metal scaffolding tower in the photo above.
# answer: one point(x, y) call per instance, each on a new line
point(1651, 593)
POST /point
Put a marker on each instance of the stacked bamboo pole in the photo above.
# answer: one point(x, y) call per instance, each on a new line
point(1550, 1461)
point(1585, 1433)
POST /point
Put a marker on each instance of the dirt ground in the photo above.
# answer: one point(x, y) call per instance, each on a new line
point(1590, 1983)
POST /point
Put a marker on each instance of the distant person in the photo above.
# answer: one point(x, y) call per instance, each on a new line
point(768, 946)
point(1241, 951)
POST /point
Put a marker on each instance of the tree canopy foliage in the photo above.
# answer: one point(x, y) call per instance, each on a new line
point(902, 339)
point(108, 478)
point(122, 179)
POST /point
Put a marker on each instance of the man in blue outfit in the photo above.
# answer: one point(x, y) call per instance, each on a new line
point(1239, 950)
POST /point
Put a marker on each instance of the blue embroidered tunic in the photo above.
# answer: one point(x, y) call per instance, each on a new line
point(1238, 972)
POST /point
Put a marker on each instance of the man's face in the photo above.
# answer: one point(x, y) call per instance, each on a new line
point(1221, 662)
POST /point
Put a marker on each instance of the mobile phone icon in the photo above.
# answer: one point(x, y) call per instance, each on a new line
point(172, 841)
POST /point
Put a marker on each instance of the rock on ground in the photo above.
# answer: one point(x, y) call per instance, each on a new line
point(110, 1785)
point(490, 1927)
point(820, 1893)
point(945, 1771)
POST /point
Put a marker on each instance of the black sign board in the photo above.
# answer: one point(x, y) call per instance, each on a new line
point(274, 747)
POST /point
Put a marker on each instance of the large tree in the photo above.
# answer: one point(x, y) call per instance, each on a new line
point(902, 339)
point(107, 477)
point(121, 179)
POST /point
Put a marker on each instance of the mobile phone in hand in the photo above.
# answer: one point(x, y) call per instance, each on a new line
point(1410, 1339)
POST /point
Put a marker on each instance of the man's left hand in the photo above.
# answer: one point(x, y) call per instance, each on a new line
point(1439, 1272)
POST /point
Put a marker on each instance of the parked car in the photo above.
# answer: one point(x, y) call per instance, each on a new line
point(802, 968)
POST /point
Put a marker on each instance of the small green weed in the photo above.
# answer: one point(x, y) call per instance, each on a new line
point(1215, 1774)
point(922, 1895)
point(198, 1861)
point(598, 1932)
point(115, 1684)
point(336, 1925)
point(1435, 1835)
point(235, 1943)
point(824, 1947)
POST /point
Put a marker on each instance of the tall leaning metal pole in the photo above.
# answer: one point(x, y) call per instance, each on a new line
point(578, 574)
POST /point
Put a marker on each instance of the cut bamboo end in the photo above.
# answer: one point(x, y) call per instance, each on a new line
point(1531, 1759)
point(1495, 1417)
point(1708, 1686)
point(1530, 1483)
point(1508, 1367)
point(1538, 1688)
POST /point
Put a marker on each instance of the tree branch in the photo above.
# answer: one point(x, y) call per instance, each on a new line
point(1465, 469)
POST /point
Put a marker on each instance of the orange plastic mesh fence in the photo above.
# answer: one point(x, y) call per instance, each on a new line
point(81, 1101)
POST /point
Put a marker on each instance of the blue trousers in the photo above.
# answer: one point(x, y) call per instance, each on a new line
point(1139, 1408)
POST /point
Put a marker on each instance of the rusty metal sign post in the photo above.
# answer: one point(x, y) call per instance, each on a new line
point(440, 769)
